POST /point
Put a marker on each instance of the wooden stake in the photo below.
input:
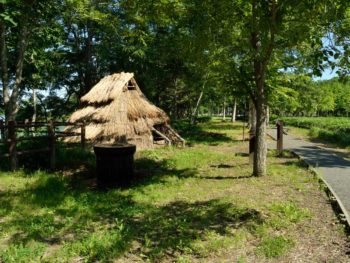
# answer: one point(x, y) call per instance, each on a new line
point(279, 125)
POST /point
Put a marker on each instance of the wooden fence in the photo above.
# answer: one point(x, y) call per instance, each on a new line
point(14, 132)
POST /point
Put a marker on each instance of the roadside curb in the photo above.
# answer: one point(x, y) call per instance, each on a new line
point(343, 214)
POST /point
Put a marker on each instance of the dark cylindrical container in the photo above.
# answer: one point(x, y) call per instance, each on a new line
point(114, 164)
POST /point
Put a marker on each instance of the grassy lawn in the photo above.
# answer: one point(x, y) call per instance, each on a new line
point(196, 204)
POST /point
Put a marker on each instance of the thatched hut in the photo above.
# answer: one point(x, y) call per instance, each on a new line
point(115, 110)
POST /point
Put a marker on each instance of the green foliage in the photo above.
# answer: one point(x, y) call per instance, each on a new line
point(177, 49)
point(299, 94)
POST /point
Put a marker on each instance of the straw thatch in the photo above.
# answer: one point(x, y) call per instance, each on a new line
point(115, 110)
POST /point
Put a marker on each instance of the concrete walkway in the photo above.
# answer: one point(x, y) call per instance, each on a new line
point(329, 164)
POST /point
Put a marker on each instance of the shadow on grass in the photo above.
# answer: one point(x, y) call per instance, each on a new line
point(226, 177)
point(228, 166)
point(298, 163)
point(160, 232)
point(171, 229)
point(242, 154)
point(197, 134)
point(223, 126)
point(149, 171)
point(286, 154)
point(222, 165)
point(71, 214)
point(67, 157)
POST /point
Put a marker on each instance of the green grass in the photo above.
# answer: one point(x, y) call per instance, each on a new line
point(331, 129)
point(197, 203)
point(273, 247)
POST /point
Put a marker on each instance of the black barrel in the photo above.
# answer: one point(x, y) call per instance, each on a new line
point(114, 164)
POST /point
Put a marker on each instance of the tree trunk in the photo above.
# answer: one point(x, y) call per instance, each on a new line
point(259, 168)
point(224, 111)
point(34, 106)
point(260, 63)
point(89, 74)
point(267, 115)
point(4, 71)
point(45, 108)
point(234, 108)
point(252, 118)
point(260, 154)
point(194, 114)
point(21, 47)
point(176, 111)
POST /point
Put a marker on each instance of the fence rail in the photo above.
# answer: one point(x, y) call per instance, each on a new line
point(9, 137)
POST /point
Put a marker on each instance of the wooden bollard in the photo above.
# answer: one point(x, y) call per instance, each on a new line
point(12, 145)
point(82, 135)
point(279, 126)
point(52, 147)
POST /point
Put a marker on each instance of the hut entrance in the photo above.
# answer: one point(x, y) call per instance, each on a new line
point(164, 134)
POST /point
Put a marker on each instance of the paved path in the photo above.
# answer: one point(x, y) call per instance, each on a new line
point(330, 165)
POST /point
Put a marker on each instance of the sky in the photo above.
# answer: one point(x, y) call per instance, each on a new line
point(327, 74)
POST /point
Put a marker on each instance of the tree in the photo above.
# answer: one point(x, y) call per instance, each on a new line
point(275, 27)
point(20, 24)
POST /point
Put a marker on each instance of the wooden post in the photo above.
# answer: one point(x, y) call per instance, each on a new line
point(52, 150)
point(279, 126)
point(2, 130)
point(82, 135)
point(12, 145)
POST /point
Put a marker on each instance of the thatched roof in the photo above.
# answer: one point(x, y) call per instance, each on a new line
point(115, 108)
